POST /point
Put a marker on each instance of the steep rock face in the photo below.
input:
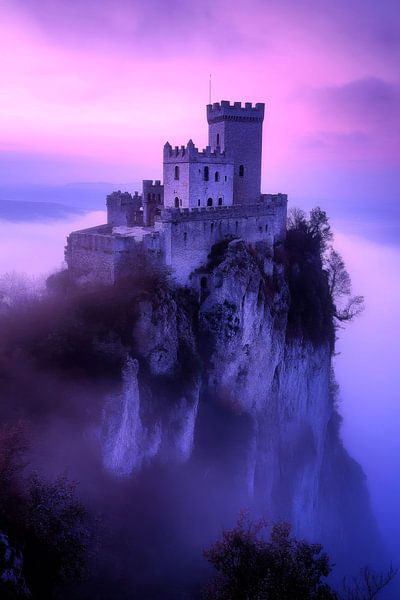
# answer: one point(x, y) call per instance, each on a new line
point(230, 351)
point(282, 384)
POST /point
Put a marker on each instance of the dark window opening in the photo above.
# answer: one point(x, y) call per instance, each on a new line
point(206, 174)
point(149, 196)
point(198, 203)
point(180, 201)
point(217, 139)
point(226, 179)
point(219, 201)
point(216, 176)
point(241, 171)
point(212, 227)
point(203, 283)
point(158, 197)
point(236, 226)
point(176, 202)
point(266, 228)
point(185, 237)
point(176, 172)
point(210, 202)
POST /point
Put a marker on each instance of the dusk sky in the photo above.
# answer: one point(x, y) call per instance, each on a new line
point(91, 90)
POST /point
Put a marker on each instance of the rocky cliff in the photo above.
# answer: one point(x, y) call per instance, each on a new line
point(218, 381)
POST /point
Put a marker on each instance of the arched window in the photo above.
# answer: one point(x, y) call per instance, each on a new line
point(219, 201)
point(209, 202)
point(177, 202)
point(216, 175)
point(198, 202)
point(241, 171)
point(217, 139)
point(206, 174)
point(176, 172)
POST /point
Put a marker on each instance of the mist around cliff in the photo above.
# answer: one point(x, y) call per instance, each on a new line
point(61, 353)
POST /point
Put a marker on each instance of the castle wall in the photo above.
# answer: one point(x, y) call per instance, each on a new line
point(99, 255)
point(90, 256)
point(176, 188)
point(188, 235)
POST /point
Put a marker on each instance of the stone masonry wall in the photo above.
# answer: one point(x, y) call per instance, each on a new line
point(188, 235)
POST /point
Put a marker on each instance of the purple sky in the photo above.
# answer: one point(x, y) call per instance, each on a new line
point(91, 90)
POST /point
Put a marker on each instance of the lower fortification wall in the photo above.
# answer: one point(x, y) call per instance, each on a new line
point(98, 255)
point(188, 235)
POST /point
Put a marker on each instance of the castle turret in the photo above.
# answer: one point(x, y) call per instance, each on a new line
point(237, 131)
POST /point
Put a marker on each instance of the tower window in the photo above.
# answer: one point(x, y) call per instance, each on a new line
point(177, 202)
point(226, 178)
point(198, 202)
point(206, 174)
point(176, 172)
point(185, 237)
point(217, 139)
point(216, 175)
point(219, 201)
point(210, 202)
point(241, 171)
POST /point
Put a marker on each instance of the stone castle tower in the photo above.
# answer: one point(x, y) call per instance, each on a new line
point(237, 131)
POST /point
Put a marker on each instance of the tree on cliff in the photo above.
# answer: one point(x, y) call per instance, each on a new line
point(45, 522)
point(319, 284)
point(251, 567)
point(280, 568)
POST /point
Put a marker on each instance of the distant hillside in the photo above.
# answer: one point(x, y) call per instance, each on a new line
point(79, 197)
point(20, 211)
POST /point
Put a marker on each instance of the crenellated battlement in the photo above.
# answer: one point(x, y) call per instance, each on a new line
point(267, 205)
point(225, 111)
point(190, 153)
point(152, 183)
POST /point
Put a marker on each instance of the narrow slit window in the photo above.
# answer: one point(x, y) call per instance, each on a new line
point(206, 174)
point(241, 171)
point(176, 172)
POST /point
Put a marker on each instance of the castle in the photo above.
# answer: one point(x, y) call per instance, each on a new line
point(206, 196)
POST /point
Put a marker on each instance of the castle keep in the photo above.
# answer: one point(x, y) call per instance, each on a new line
point(206, 196)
